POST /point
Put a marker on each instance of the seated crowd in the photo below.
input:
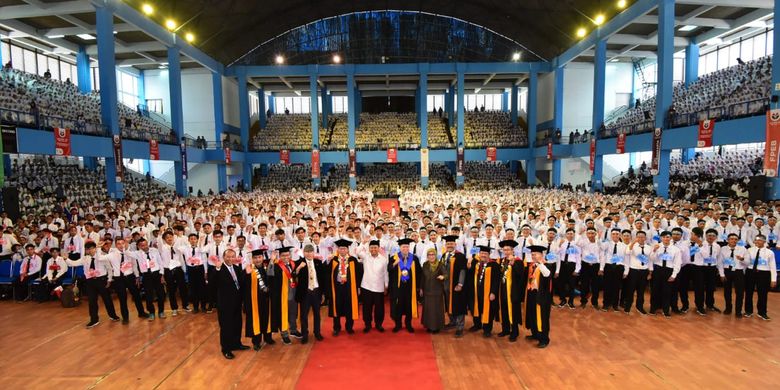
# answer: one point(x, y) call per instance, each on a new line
point(492, 128)
point(285, 178)
point(489, 174)
point(388, 129)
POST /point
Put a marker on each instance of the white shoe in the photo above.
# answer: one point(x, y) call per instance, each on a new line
point(175, 313)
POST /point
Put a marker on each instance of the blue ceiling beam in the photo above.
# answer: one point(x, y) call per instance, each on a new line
point(389, 69)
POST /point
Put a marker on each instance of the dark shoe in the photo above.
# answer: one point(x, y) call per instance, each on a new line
point(396, 329)
point(475, 328)
point(713, 308)
point(296, 334)
point(242, 347)
point(228, 355)
point(114, 318)
point(667, 315)
point(196, 310)
point(615, 308)
point(684, 309)
point(458, 334)
point(92, 324)
point(380, 329)
point(304, 339)
point(449, 326)
point(676, 311)
point(530, 337)
point(256, 347)
point(366, 330)
point(125, 321)
point(543, 345)
point(738, 315)
point(319, 337)
point(487, 335)
point(336, 332)
point(270, 341)
point(512, 339)
point(562, 303)
point(748, 315)
point(143, 315)
point(642, 311)
point(428, 330)
point(764, 317)
point(583, 304)
point(700, 312)
point(503, 334)
point(627, 311)
point(435, 331)
point(571, 305)
point(727, 311)
point(350, 331)
point(286, 340)
point(410, 330)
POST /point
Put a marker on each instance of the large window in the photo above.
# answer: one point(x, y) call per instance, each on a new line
point(302, 104)
point(746, 49)
point(37, 62)
point(127, 88)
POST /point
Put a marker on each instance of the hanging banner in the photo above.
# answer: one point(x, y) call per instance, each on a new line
point(392, 155)
point(460, 165)
point(154, 150)
point(183, 151)
point(655, 161)
point(705, 133)
point(491, 154)
point(62, 142)
point(592, 156)
point(621, 144)
point(352, 163)
point(284, 156)
point(120, 167)
point(315, 164)
point(227, 156)
point(772, 147)
point(549, 151)
point(424, 162)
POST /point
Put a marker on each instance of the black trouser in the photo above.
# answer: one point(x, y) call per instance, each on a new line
point(152, 289)
point(567, 281)
point(704, 277)
point(21, 287)
point(311, 300)
point(121, 284)
point(174, 280)
point(197, 288)
point(662, 289)
point(680, 291)
point(590, 283)
point(710, 281)
point(637, 282)
point(47, 286)
point(613, 279)
point(734, 279)
point(97, 286)
point(373, 307)
point(758, 281)
point(211, 286)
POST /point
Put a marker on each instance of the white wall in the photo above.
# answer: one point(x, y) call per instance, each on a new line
point(545, 98)
point(156, 87)
point(230, 102)
point(202, 177)
point(578, 92)
point(198, 103)
point(619, 79)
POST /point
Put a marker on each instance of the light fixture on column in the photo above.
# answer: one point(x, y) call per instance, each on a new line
point(516, 56)
point(581, 32)
point(336, 59)
point(147, 9)
point(599, 19)
point(170, 24)
point(190, 37)
point(621, 4)
point(279, 59)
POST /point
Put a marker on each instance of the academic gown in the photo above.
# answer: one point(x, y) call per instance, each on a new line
point(488, 282)
point(456, 300)
point(403, 294)
point(257, 303)
point(538, 301)
point(470, 289)
point(343, 295)
point(229, 299)
point(280, 295)
point(321, 269)
point(512, 289)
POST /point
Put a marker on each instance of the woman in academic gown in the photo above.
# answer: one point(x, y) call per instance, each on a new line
point(257, 304)
point(433, 292)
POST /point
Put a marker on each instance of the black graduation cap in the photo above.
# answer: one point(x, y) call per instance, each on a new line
point(405, 241)
point(537, 248)
point(373, 242)
point(284, 249)
point(342, 243)
point(257, 252)
point(450, 238)
point(510, 243)
point(484, 248)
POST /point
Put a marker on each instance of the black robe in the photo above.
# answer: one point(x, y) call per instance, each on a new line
point(262, 305)
point(488, 282)
point(512, 290)
point(455, 303)
point(343, 296)
point(280, 298)
point(403, 295)
point(229, 301)
point(471, 283)
point(321, 269)
point(539, 301)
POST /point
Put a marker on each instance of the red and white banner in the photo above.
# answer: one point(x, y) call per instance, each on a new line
point(592, 156)
point(549, 151)
point(621, 144)
point(655, 161)
point(154, 150)
point(352, 163)
point(315, 164)
point(227, 156)
point(491, 154)
point(392, 156)
point(120, 167)
point(772, 147)
point(424, 168)
point(705, 133)
point(62, 142)
point(284, 156)
point(460, 164)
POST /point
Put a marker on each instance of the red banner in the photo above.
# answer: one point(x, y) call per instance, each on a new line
point(621, 144)
point(491, 154)
point(772, 147)
point(315, 164)
point(460, 165)
point(705, 133)
point(227, 156)
point(352, 163)
point(284, 156)
point(62, 142)
point(549, 151)
point(392, 156)
point(118, 164)
point(592, 155)
point(656, 159)
point(154, 150)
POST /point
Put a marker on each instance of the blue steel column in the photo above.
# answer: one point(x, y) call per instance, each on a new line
point(557, 123)
point(599, 86)
point(459, 180)
point(513, 104)
point(691, 63)
point(530, 164)
point(315, 120)
point(262, 119)
point(422, 108)
point(82, 71)
point(219, 124)
point(108, 92)
point(773, 189)
point(505, 101)
point(177, 116)
point(325, 106)
point(351, 119)
point(449, 99)
point(663, 97)
point(243, 114)
point(272, 103)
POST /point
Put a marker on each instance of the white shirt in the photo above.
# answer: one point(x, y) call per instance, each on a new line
point(375, 276)
point(762, 259)
point(669, 254)
point(735, 262)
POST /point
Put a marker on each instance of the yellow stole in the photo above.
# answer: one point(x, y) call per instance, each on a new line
point(352, 288)
point(509, 292)
point(255, 311)
point(476, 287)
point(285, 297)
point(414, 285)
point(486, 296)
point(452, 270)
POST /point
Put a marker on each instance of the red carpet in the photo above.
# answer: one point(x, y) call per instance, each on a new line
point(375, 360)
point(386, 205)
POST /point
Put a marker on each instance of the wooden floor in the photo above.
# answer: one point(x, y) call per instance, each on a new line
point(45, 346)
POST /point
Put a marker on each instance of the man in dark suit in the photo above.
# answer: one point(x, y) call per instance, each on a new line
point(312, 280)
point(454, 293)
point(229, 300)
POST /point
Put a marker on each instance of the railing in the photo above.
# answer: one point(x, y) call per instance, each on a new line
point(50, 122)
point(229, 144)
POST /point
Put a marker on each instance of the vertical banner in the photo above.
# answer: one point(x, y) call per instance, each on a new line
point(352, 163)
point(705, 133)
point(491, 154)
point(227, 156)
point(592, 156)
point(62, 142)
point(284, 156)
point(315, 164)
point(621, 144)
point(154, 150)
point(656, 159)
point(424, 162)
point(118, 164)
point(549, 150)
point(772, 147)
point(460, 164)
point(392, 155)
point(183, 151)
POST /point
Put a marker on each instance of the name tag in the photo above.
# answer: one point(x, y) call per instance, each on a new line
point(741, 242)
point(665, 257)
point(762, 262)
point(152, 264)
point(709, 260)
point(591, 258)
point(126, 266)
point(571, 251)
point(550, 257)
point(694, 250)
point(723, 237)
point(642, 259)
point(91, 273)
point(772, 237)
point(616, 259)
point(657, 238)
point(729, 262)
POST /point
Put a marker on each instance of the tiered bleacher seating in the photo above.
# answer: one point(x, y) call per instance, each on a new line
point(285, 131)
point(387, 129)
point(486, 175)
point(492, 128)
point(282, 177)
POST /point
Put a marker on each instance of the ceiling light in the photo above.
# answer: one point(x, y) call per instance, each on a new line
point(147, 9)
point(170, 24)
point(598, 20)
point(516, 56)
point(336, 59)
point(581, 32)
point(189, 37)
point(55, 36)
point(86, 37)
point(613, 60)
point(279, 60)
point(621, 4)
point(688, 27)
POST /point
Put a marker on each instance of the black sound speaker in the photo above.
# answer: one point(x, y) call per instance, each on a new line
point(756, 188)
point(11, 203)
